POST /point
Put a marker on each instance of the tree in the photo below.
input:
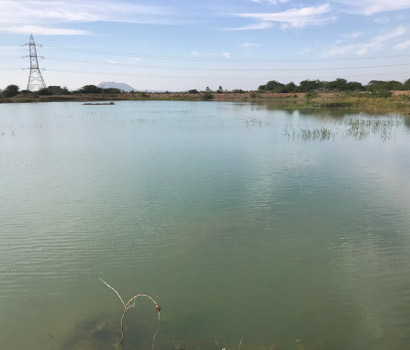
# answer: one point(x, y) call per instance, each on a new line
point(406, 85)
point(53, 90)
point(375, 85)
point(310, 85)
point(338, 84)
point(272, 85)
point(354, 86)
point(11, 91)
point(290, 87)
point(112, 91)
point(220, 90)
point(90, 89)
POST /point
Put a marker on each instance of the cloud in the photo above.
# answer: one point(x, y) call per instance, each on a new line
point(53, 11)
point(353, 35)
point(195, 53)
point(41, 30)
point(226, 55)
point(296, 18)
point(262, 25)
point(340, 50)
point(272, 2)
point(377, 43)
point(248, 45)
point(370, 7)
point(403, 45)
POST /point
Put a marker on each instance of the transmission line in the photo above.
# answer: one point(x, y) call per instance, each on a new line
point(215, 59)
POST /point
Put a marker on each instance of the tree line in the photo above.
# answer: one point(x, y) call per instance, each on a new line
point(304, 86)
point(335, 85)
point(14, 90)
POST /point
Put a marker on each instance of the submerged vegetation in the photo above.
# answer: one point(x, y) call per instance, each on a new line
point(102, 333)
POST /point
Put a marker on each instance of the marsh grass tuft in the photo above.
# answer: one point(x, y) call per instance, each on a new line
point(362, 128)
point(321, 134)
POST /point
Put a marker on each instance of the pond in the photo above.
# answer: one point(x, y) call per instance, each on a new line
point(253, 228)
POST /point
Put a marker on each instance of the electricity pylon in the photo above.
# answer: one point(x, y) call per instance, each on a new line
point(35, 79)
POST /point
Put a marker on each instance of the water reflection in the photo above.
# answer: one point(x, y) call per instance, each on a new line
point(407, 121)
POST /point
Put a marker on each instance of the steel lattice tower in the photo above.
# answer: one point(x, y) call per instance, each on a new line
point(35, 79)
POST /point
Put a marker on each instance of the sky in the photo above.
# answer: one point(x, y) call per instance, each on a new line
point(184, 44)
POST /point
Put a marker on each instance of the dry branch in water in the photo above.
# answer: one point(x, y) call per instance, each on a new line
point(130, 304)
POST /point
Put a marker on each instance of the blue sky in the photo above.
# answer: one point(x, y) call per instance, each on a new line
point(180, 45)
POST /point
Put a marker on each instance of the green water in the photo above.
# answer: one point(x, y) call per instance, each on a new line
point(240, 220)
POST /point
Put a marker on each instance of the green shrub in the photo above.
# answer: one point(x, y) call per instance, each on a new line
point(381, 93)
point(11, 91)
point(207, 95)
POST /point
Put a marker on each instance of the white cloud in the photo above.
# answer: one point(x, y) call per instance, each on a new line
point(262, 25)
point(381, 20)
point(195, 53)
point(377, 43)
point(370, 7)
point(353, 35)
point(272, 2)
point(340, 50)
point(248, 45)
point(41, 30)
point(53, 11)
point(226, 55)
point(297, 17)
point(403, 45)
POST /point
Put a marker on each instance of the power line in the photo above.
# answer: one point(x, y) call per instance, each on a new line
point(136, 65)
point(215, 59)
point(192, 76)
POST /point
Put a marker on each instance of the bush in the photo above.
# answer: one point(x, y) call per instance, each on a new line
point(381, 93)
point(238, 91)
point(311, 94)
point(90, 89)
point(54, 90)
point(112, 91)
point(193, 91)
point(11, 91)
point(207, 95)
point(406, 85)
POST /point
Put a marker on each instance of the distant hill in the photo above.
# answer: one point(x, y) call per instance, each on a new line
point(114, 85)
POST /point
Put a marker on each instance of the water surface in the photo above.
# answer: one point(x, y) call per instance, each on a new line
point(284, 228)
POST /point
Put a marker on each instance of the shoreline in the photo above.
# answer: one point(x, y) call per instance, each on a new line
point(398, 103)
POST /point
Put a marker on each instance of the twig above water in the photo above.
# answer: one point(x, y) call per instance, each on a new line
point(130, 304)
